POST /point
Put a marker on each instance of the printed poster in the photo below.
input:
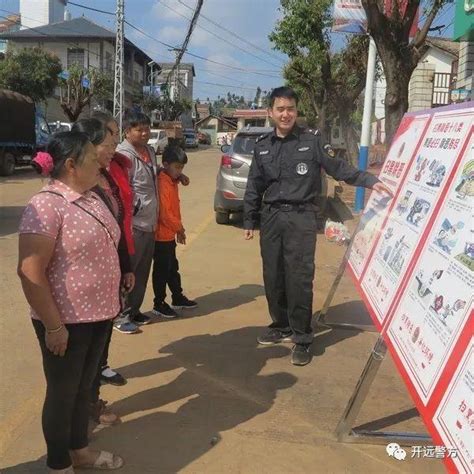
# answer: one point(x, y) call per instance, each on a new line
point(439, 298)
point(454, 419)
point(404, 145)
point(349, 17)
point(413, 208)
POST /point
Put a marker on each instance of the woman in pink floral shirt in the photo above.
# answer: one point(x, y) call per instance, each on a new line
point(70, 273)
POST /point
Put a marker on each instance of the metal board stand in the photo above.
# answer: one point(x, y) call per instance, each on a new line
point(345, 430)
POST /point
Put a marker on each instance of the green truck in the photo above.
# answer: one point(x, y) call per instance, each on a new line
point(23, 131)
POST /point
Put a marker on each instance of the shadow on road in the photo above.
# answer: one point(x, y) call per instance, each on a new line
point(350, 312)
point(221, 300)
point(30, 467)
point(220, 388)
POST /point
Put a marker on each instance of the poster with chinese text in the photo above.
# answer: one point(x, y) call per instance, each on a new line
point(408, 223)
point(438, 299)
point(454, 419)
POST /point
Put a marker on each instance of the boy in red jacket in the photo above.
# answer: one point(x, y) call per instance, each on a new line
point(169, 230)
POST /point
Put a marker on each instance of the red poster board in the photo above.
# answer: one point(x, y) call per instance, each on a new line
point(412, 261)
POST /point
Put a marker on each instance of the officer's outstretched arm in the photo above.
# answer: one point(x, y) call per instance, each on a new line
point(341, 170)
point(253, 195)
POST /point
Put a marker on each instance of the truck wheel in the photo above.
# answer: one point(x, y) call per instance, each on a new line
point(7, 164)
point(222, 218)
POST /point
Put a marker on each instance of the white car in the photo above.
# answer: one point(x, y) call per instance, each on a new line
point(158, 140)
point(60, 126)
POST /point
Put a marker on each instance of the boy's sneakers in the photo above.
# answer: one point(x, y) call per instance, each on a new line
point(181, 302)
point(274, 336)
point(125, 327)
point(141, 319)
point(110, 376)
point(164, 309)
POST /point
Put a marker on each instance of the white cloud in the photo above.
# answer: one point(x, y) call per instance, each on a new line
point(172, 34)
point(160, 11)
point(225, 59)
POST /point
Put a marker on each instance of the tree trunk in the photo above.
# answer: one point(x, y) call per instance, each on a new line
point(398, 68)
point(350, 138)
point(396, 102)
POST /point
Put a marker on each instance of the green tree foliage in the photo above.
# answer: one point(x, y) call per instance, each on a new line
point(30, 71)
point(399, 53)
point(81, 85)
point(164, 106)
point(328, 83)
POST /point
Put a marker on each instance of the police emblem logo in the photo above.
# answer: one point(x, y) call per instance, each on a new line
point(301, 168)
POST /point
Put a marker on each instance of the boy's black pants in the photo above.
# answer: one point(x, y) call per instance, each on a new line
point(165, 271)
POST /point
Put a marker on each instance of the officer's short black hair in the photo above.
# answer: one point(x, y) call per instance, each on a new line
point(174, 154)
point(283, 91)
point(132, 118)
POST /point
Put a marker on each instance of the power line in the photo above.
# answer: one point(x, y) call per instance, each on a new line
point(220, 37)
point(90, 8)
point(235, 34)
point(182, 50)
point(260, 72)
point(235, 86)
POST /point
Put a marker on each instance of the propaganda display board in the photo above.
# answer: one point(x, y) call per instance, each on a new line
point(412, 260)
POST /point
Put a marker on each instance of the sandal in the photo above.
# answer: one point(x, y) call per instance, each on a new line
point(100, 414)
point(105, 462)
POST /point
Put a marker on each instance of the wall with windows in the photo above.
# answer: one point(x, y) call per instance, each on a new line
point(87, 52)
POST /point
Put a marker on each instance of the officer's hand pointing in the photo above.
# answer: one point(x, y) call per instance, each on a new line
point(381, 188)
point(248, 234)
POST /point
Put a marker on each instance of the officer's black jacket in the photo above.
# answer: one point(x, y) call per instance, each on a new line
point(288, 170)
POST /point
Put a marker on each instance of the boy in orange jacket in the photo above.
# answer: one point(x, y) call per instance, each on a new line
point(169, 230)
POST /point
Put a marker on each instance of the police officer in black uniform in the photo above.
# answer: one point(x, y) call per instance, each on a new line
point(283, 183)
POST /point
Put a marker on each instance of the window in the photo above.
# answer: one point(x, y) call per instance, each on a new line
point(75, 56)
point(244, 143)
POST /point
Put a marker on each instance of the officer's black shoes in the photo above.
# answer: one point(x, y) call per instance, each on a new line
point(274, 336)
point(301, 354)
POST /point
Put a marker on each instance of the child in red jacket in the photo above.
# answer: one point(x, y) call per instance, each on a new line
point(169, 230)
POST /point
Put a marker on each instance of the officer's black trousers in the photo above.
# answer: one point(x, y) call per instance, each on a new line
point(287, 243)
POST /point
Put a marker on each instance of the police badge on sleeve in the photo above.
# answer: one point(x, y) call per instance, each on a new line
point(302, 169)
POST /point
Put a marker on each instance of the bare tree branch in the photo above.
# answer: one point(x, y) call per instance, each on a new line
point(409, 17)
point(423, 32)
point(375, 17)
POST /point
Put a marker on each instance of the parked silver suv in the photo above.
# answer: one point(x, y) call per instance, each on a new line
point(233, 173)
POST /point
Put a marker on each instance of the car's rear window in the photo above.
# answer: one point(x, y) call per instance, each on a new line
point(153, 135)
point(244, 144)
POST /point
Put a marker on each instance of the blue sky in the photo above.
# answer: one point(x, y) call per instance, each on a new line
point(167, 20)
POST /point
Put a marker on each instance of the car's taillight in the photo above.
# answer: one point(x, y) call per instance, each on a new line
point(230, 163)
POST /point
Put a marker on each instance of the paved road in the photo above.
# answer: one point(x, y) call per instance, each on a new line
point(201, 396)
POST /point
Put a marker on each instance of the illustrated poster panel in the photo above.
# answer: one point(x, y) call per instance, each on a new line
point(413, 208)
point(435, 306)
point(408, 137)
point(454, 419)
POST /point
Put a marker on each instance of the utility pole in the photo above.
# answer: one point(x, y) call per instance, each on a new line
point(366, 120)
point(119, 63)
point(176, 92)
